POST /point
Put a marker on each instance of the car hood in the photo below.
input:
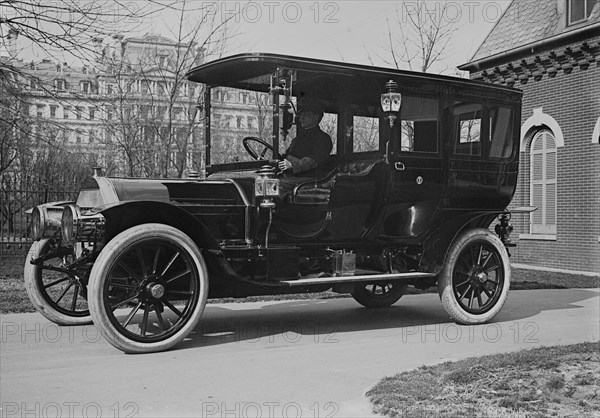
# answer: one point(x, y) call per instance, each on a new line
point(104, 191)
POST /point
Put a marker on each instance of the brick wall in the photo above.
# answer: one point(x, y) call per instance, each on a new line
point(573, 100)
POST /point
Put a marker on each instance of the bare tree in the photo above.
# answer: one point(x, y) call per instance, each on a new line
point(153, 113)
point(10, 123)
point(418, 35)
point(63, 29)
point(68, 27)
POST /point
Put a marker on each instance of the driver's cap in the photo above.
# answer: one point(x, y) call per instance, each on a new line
point(312, 107)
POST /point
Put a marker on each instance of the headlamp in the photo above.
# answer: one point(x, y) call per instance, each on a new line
point(68, 224)
point(45, 221)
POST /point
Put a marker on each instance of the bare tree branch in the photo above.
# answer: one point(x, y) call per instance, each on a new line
point(418, 37)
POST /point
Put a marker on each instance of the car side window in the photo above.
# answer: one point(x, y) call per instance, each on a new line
point(467, 128)
point(419, 124)
point(329, 125)
point(366, 133)
point(501, 127)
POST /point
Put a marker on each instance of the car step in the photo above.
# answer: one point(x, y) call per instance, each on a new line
point(359, 278)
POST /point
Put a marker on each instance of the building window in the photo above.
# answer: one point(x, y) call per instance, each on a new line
point(78, 112)
point(178, 113)
point(66, 112)
point(173, 158)
point(25, 109)
point(60, 84)
point(85, 86)
point(183, 89)
point(543, 183)
point(92, 113)
point(579, 10)
point(52, 111)
point(40, 111)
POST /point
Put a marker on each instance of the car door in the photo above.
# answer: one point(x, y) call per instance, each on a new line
point(416, 170)
point(359, 188)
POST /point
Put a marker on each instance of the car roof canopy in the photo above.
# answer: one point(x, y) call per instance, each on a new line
point(337, 81)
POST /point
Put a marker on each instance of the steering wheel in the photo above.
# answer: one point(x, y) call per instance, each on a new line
point(266, 147)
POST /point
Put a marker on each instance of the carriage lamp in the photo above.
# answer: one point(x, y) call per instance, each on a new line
point(45, 221)
point(266, 186)
point(391, 101)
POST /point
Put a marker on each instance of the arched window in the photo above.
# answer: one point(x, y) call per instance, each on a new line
point(543, 183)
point(596, 133)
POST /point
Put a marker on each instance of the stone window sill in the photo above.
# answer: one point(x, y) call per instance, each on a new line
point(538, 237)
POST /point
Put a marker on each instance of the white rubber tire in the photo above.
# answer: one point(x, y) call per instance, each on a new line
point(37, 293)
point(445, 281)
point(109, 255)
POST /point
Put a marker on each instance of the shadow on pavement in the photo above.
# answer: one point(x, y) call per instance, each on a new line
point(328, 318)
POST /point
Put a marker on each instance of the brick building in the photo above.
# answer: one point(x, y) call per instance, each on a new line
point(551, 50)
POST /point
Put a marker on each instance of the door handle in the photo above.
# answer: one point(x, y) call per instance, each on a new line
point(399, 166)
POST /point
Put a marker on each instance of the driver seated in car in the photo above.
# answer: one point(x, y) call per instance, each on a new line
point(310, 148)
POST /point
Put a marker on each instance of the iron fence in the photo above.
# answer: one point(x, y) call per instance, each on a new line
point(14, 221)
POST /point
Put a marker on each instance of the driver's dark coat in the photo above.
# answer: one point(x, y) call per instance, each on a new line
point(308, 150)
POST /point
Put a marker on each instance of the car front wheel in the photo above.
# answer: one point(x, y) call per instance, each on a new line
point(474, 282)
point(148, 288)
point(57, 292)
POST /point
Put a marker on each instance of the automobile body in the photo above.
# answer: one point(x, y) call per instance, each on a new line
point(421, 166)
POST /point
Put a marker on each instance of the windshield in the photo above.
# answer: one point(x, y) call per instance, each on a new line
point(237, 114)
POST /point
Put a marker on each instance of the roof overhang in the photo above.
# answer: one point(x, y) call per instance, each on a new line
point(574, 35)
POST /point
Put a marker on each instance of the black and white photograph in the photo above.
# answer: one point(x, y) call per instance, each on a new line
point(307, 208)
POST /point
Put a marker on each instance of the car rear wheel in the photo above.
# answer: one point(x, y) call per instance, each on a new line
point(475, 279)
point(378, 295)
point(148, 288)
point(57, 292)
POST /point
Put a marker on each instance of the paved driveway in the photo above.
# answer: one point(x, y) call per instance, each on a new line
point(313, 358)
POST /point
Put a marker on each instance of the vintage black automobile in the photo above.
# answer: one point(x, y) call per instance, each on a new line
point(421, 167)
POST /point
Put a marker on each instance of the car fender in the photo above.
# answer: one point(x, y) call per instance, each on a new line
point(435, 248)
point(127, 214)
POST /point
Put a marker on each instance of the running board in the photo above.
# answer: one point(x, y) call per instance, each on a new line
point(361, 278)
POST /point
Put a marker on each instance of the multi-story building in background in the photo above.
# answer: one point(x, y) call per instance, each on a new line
point(131, 110)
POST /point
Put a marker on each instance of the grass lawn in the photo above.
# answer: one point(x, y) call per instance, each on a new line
point(542, 382)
